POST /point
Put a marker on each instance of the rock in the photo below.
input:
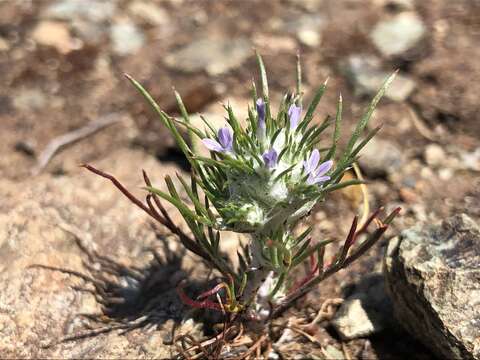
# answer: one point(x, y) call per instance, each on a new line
point(214, 55)
point(366, 74)
point(380, 158)
point(433, 277)
point(307, 28)
point(434, 155)
point(30, 99)
point(4, 45)
point(96, 10)
point(471, 160)
point(309, 5)
point(126, 38)
point(91, 33)
point(352, 321)
point(451, 72)
point(309, 37)
point(275, 44)
point(55, 34)
point(398, 34)
point(331, 352)
point(149, 12)
point(40, 306)
point(365, 312)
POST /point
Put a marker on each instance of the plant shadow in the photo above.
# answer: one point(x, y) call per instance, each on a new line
point(133, 297)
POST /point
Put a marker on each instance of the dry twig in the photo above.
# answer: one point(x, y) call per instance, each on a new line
point(71, 138)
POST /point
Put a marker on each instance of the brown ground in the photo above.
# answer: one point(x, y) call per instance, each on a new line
point(46, 91)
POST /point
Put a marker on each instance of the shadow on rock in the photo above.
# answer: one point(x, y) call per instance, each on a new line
point(131, 297)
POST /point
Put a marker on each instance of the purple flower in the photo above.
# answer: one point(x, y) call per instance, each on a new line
point(311, 164)
point(294, 113)
point(261, 113)
point(316, 175)
point(270, 158)
point(224, 143)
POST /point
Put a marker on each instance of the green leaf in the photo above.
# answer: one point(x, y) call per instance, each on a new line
point(301, 257)
point(186, 212)
point(299, 76)
point(313, 105)
point(361, 125)
point(336, 133)
point(342, 185)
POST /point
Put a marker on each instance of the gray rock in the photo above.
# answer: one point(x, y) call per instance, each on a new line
point(381, 158)
point(433, 275)
point(307, 28)
point(367, 311)
point(93, 10)
point(126, 38)
point(367, 76)
point(398, 34)
point(215, 56)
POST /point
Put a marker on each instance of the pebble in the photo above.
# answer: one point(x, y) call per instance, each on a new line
point(366, 311)
point(149, 12)
point(380, 158)
point(55, 34)
point(434, 155)
point(214, 55)
point(126, 38)
point(4, 45)
point(307, 29)
point(366, 74)
point(95, 10)
point(331, 352)
point(309, 37)
point(471, 160)
point(30, 99)
point(398, 34)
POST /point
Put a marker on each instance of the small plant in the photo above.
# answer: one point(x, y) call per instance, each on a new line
point(261, 180)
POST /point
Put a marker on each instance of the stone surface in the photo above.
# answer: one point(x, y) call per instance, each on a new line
point(398, 34)
point(307, 28)
point(38, 306)
point(434, 155)
point(149, 12)
point(380, 158)
point(30, 99)
point(433, 277)
point(4, 45)
point(96, 11)
point(214, 55)
point(55, 34)
point(126, 38)
point(365, 312)
point(367, 76)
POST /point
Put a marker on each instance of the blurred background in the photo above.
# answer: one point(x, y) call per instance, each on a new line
point(64, 101)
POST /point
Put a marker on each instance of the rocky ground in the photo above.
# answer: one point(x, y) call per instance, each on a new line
point(61, 66)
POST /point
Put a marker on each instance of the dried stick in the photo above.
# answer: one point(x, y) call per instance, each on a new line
point(71, 138)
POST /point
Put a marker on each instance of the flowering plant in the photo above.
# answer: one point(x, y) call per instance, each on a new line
point(261, 179)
